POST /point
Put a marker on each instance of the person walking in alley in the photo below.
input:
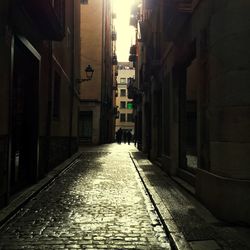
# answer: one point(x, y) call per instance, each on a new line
point(129, 136)
point(119, 136)
point(124, 135)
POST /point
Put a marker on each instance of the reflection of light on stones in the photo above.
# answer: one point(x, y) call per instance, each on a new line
point(91, 203)
point(91, 227)
point(191, 161)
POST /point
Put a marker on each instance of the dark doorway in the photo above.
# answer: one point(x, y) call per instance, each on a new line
point(188, 121)
point(86, 126)
point(24, 121)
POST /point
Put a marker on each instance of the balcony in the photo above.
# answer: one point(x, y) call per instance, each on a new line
point(187, 6)
point(48, 16)
point(135, 94)
point(114, 60)
point(132, 56)
point(133, 91)
point(149, 4)
point(114, 87)
point(177, 13)
point(114, 36)
point(133, 50)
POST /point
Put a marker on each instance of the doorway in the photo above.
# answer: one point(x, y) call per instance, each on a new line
point(86, 126)
point(24, 119)
point(188, 121)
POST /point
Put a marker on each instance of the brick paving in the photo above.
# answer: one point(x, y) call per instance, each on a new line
point(98, 203)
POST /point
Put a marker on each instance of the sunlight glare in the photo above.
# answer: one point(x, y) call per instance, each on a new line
point(125, 32)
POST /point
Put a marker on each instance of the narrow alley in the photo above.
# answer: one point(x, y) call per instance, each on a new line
point(98, 203)
point(125, 124)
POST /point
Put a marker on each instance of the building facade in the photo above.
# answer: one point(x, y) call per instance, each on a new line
point(124, 104)
point(193, 71)
point(96, 118)
point(39, 47)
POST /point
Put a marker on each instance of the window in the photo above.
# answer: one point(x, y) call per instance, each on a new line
point(122, 117)
point(123, 80)
point(86, 125)
point(123, 92)
point(122, 105)
point(130, 118)
point(56, 96)
point(84, 1)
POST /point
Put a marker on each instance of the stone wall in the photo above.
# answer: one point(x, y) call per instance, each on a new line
point(59, 149)
point(227, 183)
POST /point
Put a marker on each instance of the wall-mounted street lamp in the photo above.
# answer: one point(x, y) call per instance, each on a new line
point(89, 74)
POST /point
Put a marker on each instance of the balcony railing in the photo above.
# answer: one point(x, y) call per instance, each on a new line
point(133, 49)
point(48, 16)
point(132, 56)
point(174, 18)
point(114, 87)
point(114, 60)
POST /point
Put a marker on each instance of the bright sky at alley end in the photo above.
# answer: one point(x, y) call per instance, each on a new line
point(125, 33)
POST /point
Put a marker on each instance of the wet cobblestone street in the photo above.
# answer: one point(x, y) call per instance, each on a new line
point(98, 203)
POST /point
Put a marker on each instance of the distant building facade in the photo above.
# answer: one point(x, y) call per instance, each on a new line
point(39, 62)
point(96, 117)
point(124, 104)
point(193, 71)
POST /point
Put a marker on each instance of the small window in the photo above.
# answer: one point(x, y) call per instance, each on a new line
point(130, 118)
point(122, 117)
point(123, 92)
point(122, 105)
point(123, 80)
point(84, 1)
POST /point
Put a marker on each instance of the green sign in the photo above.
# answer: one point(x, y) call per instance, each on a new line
point(130, 105)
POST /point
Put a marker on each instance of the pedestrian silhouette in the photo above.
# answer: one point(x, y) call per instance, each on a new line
point(135, 138)
point(119, 136)
point(124, 136)
point(129, 137)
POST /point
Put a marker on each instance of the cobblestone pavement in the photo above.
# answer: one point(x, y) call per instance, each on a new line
point(98, 203)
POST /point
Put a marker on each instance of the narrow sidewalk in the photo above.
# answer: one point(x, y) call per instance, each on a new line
point(189, 224)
